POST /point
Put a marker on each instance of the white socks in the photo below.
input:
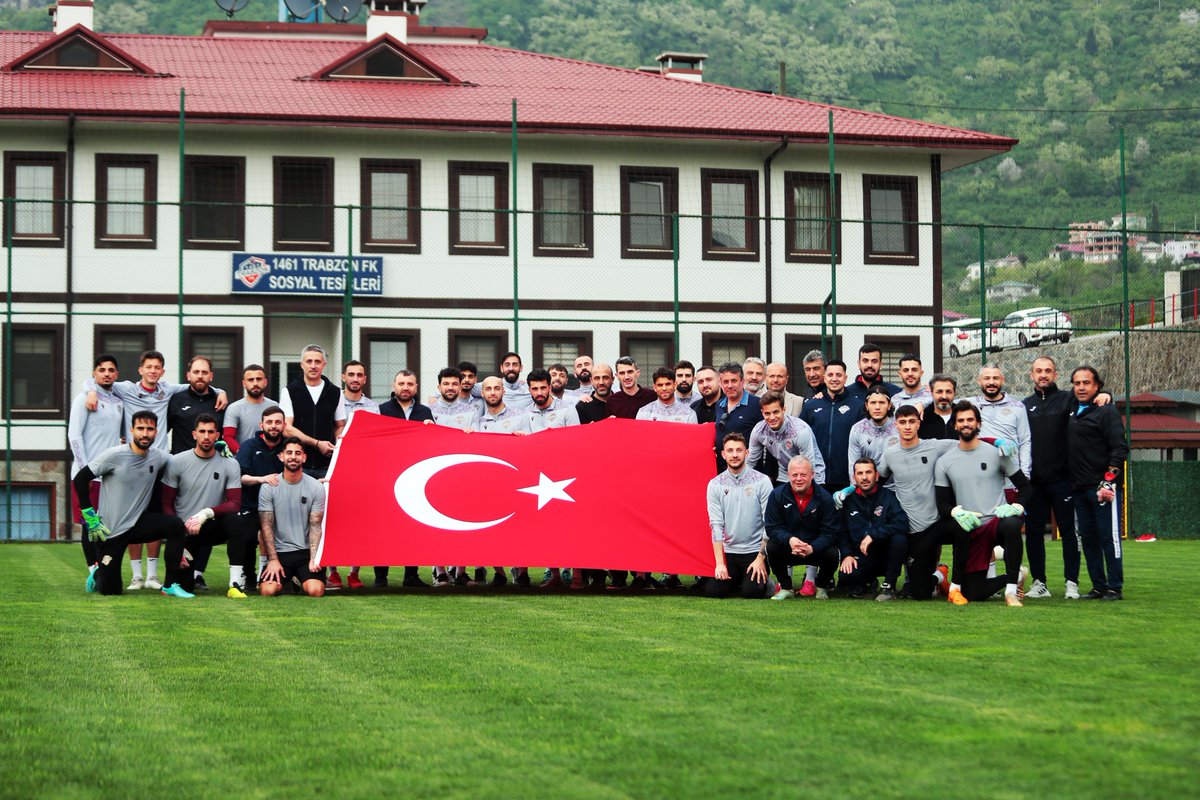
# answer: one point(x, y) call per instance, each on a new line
point(237, 576)
point(152, 567)
point(1010, 590)
point(137, 569)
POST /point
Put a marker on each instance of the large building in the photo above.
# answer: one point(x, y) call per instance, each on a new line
point(271, 133)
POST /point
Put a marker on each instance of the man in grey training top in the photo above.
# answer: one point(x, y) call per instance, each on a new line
point(290, 514)
point(242, 416)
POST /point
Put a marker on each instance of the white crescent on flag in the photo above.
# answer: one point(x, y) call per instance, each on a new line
point(410, 491)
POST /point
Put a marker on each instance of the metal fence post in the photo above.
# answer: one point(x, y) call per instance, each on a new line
point(984, 327)
point(10, 218)
point(833, 348)
point(516, 343)
point(348, 291)
point(1125, 333)
point(179, 300)
point(675, 272)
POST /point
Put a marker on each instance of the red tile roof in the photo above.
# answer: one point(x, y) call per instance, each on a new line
point(263, 79)
point(1163, 430)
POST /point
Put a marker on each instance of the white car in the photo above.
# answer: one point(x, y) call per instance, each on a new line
point(961, 337)
point(1034, 326)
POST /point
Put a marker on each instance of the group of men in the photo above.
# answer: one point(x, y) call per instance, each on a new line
point(860, 479)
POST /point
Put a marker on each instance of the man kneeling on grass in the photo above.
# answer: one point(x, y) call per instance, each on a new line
point(803, 528)
point(737, 499)
point(874, 537)
point(290, 515)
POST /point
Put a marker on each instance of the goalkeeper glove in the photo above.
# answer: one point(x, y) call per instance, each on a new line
point(967, 520)
point(1006, 447)
point(96, 529)
point(839, 497)
point(1109, 484)
point(223, 449)
point(1009, 510)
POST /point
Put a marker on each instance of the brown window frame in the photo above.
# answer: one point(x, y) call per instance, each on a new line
point(584, 173)
point(540, 338)
point(56, 375)
point(58, 161)
point(624, 338)
point(912, 343)
point(128, 372)
point(753, 343)
point(501, 336)
point(832, 227)
point(148, 240)
point(499, 172)
point(670, 178)
point(410, 336)
point(192, 204)
point(233, 391)
point(796, 382)
point(749, 178)
point(281, 205)
point(410, 167)
point(907, 185)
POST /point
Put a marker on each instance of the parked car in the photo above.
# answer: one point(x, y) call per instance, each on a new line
point(1034, 326)
point(961, 337)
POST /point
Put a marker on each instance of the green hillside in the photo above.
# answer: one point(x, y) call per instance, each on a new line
point(1060, 77)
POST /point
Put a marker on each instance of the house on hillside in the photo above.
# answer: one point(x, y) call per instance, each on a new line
point(275, 136)
point(1164, 425)
point(1011, 291)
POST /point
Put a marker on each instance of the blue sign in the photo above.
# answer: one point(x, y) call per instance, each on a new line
point(297, 273)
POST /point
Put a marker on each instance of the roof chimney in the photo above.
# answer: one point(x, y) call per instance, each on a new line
point(683, 66)
point(393, 18)
point(69, 13)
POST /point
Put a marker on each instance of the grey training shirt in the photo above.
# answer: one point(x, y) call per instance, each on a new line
point(912, 471)
point(976, 476)
point(201, 482)
point(126, 483)
point(658, 411)
point(736, 505)
point(794, 438)
point(90, 433)
point(246, 416)
point(510, 420)
point(454, 415)
point(291, 503)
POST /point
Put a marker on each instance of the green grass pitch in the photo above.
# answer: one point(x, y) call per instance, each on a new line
point(516, 694)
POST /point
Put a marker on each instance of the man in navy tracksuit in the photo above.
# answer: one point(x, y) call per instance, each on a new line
point(738, 411)
point(1096, 456)
point(803, 527)
point(874, 538)
point(831, 416)
point(870, 362)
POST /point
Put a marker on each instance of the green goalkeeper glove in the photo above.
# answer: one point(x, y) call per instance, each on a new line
point(1009, 510)
point(96, 529)
point(967, 520)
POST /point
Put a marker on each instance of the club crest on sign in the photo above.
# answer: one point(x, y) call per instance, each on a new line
point(251, 271)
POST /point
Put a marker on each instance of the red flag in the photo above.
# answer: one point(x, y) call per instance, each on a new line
point(617, 494)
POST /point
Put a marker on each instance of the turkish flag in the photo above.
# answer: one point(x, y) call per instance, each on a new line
point(616, 494)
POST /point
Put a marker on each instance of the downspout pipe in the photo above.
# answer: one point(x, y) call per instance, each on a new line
point(769, 306)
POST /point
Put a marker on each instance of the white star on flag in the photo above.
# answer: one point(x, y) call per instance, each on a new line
point(548, 490)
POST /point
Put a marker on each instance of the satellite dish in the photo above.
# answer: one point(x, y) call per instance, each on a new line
point(231, 7)
point(302, 9)
point(342, 10)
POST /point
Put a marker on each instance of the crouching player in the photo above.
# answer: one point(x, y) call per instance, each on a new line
point(874, 535)
point(969, 481)
point(290, 515)
point(803, 527)
point(737, 500)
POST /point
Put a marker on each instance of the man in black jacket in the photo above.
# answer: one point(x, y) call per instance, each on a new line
point(403, 404)
point(1096, 455)
point(803, 527)
point(874, 535)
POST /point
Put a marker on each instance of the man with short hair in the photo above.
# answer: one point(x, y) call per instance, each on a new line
point(185, 407)
point(935, 420)
point(737, 410)
point(754, 369)
point(314, 410)
point(129, 476)
point(583, 374)
point(708, 386)
point(403, 404)
point(90, 433)
point(969, 482)
point(814, 374)
point(354, 378)
point(831, 416)
point(547, 411)
point(870, 436)
point(685, 380)
point(559, 378)
point(803, 527)
point(783, 437)
point(449, 410)
point(777, 381)
point(666, 407)
point(874, 535)
point(205, 490)
point(259, 462)
point(1004, 415)
point(516, 392)
point(242, 416)
point(625, 401)
point(290, 512)
point(870, 362)
point(601, 375)
point(498, 417)
point(737, 500)
point(1097, 453)
point(912, 389)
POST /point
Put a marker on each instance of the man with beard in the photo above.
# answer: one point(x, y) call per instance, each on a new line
point(290, 513)
point(784, 437)
point(754, 370)
point(831, 416)
point(777, 381)
point(870, 361)
point(403, 405)
point(871, 436)
point(814, 373)
point(737, 499)
point(667, 406)
point(516, 392)
point(709, 388)
point(466, 390)
point(583, 374)
point(1004, 415)
point(354, 378)
point(935, 419)
point(626, 400)
point(205, 491)
point(185, 407)
point(242, 416)
point(558, 385)
point(874, 535)
point(912, 389)
point(90, 433)
point(498, 417)
point(547, 410)
point(258, 459)
point(601, 382)
point(449, 410)
point(969, 482)
point(685, 379)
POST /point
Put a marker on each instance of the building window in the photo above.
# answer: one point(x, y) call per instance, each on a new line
point(214, 195)
point(32, 507)
point(649, 198)
point(35, 181)
point(811, 221)
point(562, 205)
point(560, 347)
point(223, 347)
point(478, 208)
point(728, 348)
point(126, 188)
point(481, 348)
point(892, 347)
point(386, 351)
point(797, 346)
point(304, 203)
point(37, 371)
point(126, 343)
point(890, 211)
point(391, 200)
point(729, 203)
point(649, 350)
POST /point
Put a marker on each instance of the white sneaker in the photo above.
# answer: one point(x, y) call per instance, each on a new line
point(135, 584)
point(1038, 589)
point(1072, 592)
point(153, 583)
point(783, 594)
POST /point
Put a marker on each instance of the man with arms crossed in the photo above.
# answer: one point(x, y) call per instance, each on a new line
point(290, 514)
point(737, 500)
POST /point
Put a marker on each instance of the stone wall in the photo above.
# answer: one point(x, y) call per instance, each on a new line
point(45, 472)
